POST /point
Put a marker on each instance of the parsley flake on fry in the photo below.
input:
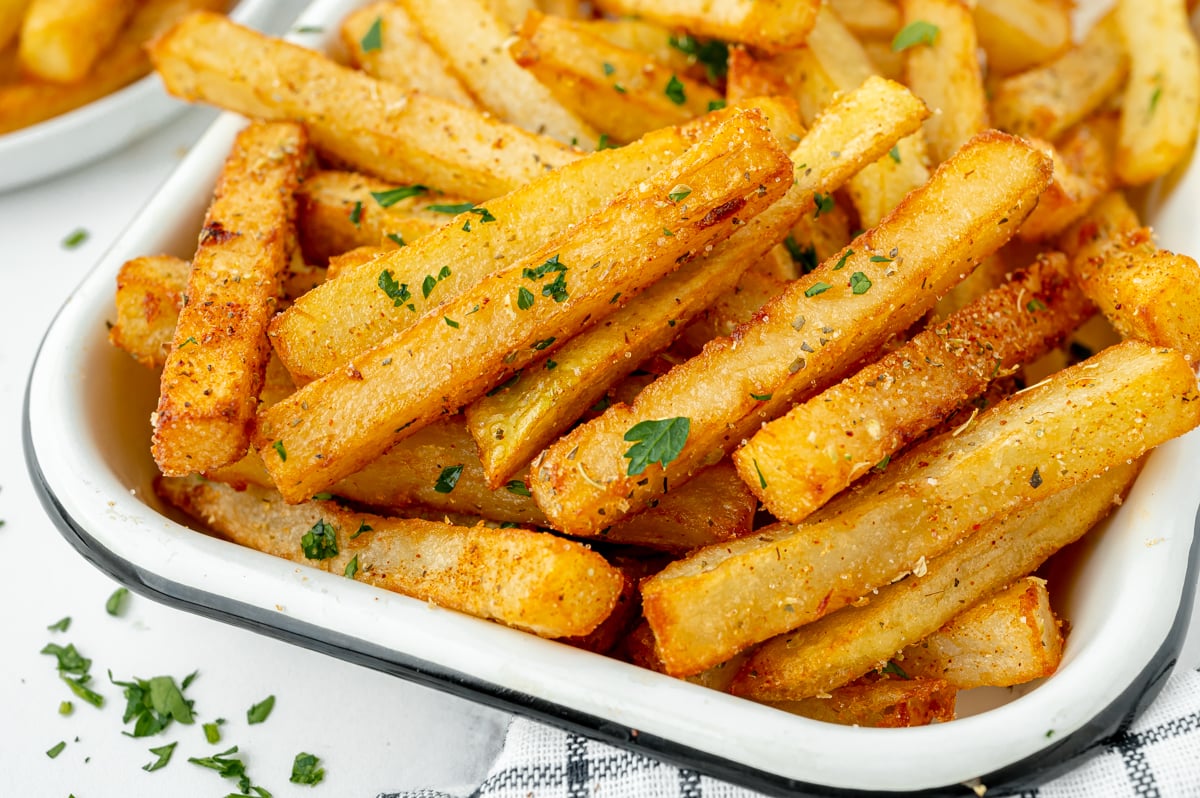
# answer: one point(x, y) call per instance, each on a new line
point(658, 441)
point(372, 40)
point(320, 542)
point(391, 196)
point(675, 91)
point(448, 478)
point(914, 33)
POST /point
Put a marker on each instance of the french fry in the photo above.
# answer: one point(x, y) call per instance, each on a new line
point(869, 19)
point(12, 14)
point(149, 294)
point(945, 74)
point(749, 77)
point(881, 703)
point(1045, 101)
point(803, 340)
point(620, 92)
point(478, 339)
point(27, 102)
point(510, 428)
point(571, 9)
point(62, 39)
point(1021, 34)
point(1010, 638)
point(1077, 424)
point(10, 68)
point(339, 211)
point(531, 580)
point(401, 56)
point(1070, 194)
point(352, 118)
point(350, 315)
point(771, 25)
point(472, 41)
point(353, 258)
point(658, 43)
point(889, 62)
point(212, 377)
point(1136, 286)
point(1161, 106)
point(511, 12)
point(799, 461)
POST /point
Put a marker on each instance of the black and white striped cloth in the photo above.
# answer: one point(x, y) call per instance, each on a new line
point(1158, 757)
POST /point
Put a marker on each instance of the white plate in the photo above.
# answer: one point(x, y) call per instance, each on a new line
point(86, 441)
point(98, 128)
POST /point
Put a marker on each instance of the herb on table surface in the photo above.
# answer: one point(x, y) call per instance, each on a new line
point(153, 703)
point(306, 770)
point(115, 601)
point(75, 239)
point(164, 756)
point(260, 711)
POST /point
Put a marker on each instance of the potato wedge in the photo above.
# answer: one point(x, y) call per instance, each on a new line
point(803, 340)
point(150, 292)
point(402, 56)
point(473, 42)
point(1075, 425)
point(881, 703)
point(843, 645)
point(1161, 106)
point(799, 461)
point(334, 426)
point(62, 39)
point(868, 19)
point(1021, 34)
point(213, 375)
point(531, 580)
point(352, 118)
point(771, 25)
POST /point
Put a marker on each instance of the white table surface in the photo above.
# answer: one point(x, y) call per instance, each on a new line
point(373, 732)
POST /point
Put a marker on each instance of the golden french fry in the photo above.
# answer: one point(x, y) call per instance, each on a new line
point(478, 339)
point(943, 70)
point(801, 341)
point(1077, 424)
point(799, 461)
point(1069, 195)
point(1046, 100)
point(882, 703)
point(1020, 34)
point(12, 14)
point(621, 92)
point(62, 39)
point(149, 294)
point(1108, 219)
point(213, 375)
point(352, 118)
point(771, 25)
point(531, 580)
point(869, 19)
point(749, 77)
point(1161, 107)
point(682, 53)
point(511, 12)
point(844, 645)
point(401, 55)
point(1010, 638)
point(473, 42)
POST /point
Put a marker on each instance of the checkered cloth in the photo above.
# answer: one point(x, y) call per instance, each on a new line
point(1158, 757)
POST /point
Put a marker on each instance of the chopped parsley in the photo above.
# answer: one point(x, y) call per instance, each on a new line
point(619, 88)
point(545, 342)
point(75, 239)
point(817, 288)
point(859, 283)
point(113, 605)
point(882, 465)
point(679, 193)
point(550, 365)
point(842, 260)
point(391, 196)
point(260, 711)
point(320, 542)
point(228, 767)
point(608, 69)
point(804, 257)
point(517, 487)
point(212, 731)
point(397, 239)
point(525, 298)
point(762, 481)
point(675, 92)
point(372, 40)
point(713, 54)
point(761, 397)
point(914, 33)
point(65, 707)
point(153, 703)
point(450, 322)
point(61, 625)
point(305, 769)
point(603, 143)
point(191, 339)
point(881, 259)
point(1034, 305)
point(716, 105)
point(657, 441)
point(356, 213)
point(57, 749)
point(510, 382)
point(69, 658)
point(895, 670)
point(894, 153)
point(448, 478)
point(164, 756)
point(397, 292)
point(351, 568)
point(824, 202)
point(363, 526)
point(279, 450)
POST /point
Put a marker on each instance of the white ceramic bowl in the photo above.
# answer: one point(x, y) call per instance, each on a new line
point(98, 128)
point(86, 443)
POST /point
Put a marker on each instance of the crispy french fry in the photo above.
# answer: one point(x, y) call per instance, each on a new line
point(571, 9)
point(682, 53)
point(1108, 219)
point(842, 646)
point(402, 56)
point(354, 119)
point(803, 340)
point(945, 74)
point(1077, 424)
point(1020, 34)
point(472, 41)
point(531, 580)
point(1070, 194)
point(12, 13)
point(799, 461)
point(869, 19)
point(511, 12)
point(1046, 100)
point(749, 77)
point(480, 338)
point(1161, 107)
point(771, 25)
point(1136, 286)
point(889, 62)
point(27, 102)
point(213, 375)
point(881, 703)
point(619, 91)
point(149, 294)
point(348, 316)
point(62, 39)
point(339, 211)
point(353, 258)
point(756, 287)
point(513, 427)
point(1010, 638)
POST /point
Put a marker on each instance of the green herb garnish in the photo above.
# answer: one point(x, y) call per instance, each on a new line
point(305, 769)
point(675, 92)
point(164, 756)
point(658, 441)
point(448, 478)
point(260, 711)
point(391, 196)
point(113, 605)
point(320, 542)
point(372, 40)
point(914, 33)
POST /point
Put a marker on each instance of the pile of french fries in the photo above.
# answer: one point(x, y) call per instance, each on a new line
point(558, 319)
point(58, 55)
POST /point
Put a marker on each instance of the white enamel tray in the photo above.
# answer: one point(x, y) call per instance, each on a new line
point(86, 444)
